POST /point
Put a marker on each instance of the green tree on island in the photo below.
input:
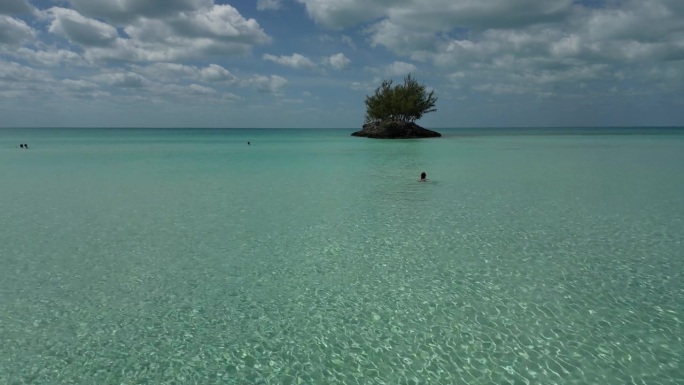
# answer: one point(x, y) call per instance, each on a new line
point(392, 111)
point(406, 102)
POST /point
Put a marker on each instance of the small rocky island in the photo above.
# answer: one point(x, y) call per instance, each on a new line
point(391, 112)
point(395, 130)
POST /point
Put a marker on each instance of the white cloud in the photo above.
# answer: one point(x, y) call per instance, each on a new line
point(14, 31)
point(167, 72)
point(295, 60)
point(222, 22)
point(202, 90)
point(437, 14)
point(400, 39)
point(156, 83)
point(216, 73)
point(578, 53)
point(121, 79)
point(79, 29)
point(501, 89)
point(443, 15)
point(216, 30)
point(337, 61)
point(365, 86)
point(343, 13)
point(454, 32)
point(269, 84)
point(79, 85)
point(14, 7)
point(188, 93)
point(348, 41)
point(14, 72)
point(174, 72)
point(344, 39)
point(399, 68)
point(631, 21)
point(123, 11)
point(50, 57)
point(81, 89)
point(269, 5)
point(456, 77)
point(22, 82)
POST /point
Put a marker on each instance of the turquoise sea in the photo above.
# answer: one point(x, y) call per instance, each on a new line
point(186, 256)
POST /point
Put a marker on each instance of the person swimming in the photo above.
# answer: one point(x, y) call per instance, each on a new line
point(423, 177)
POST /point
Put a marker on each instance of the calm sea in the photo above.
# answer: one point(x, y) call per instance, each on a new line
point(187, 256)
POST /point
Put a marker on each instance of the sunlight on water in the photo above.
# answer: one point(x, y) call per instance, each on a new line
point(187, 256)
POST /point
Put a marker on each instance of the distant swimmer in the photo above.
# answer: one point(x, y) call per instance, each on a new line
point(423, 177)
point(249, 144)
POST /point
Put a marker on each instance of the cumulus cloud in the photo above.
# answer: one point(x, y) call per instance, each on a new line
point(437, 14)
point(337, 61)
point(268, 84)
point(201, 90)
point(501, 89)
point(14, 7)
point(81, 89)
point(216, 73)
point(478, 15)
point(20, 81)
point(14, 31)
point(399, 68)
point(14, 72)
point(344, 39)
point(79, 29)
point(577, 41)
point(466, 31)
point(348, 41)
point(220, 30)
point(269, 5)
point(122, 11)
point(50, 57)
point(629, 22)
point(339, 14)
point(295, 60)
point(221, 22)
point(121, 79)
point(169, 72)
point(79, 85)
point(400, 39)
point(357, 86)
point(158, 82)
point(635, 30)
point(165, 20)
point(526, 48)
point(207, 30)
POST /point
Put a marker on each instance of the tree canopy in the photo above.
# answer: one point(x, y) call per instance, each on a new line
point(406, 102)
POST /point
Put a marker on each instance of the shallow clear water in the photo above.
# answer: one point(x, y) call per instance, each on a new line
point(187, 256)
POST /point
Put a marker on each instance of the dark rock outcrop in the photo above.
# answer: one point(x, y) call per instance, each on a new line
point(395, 130)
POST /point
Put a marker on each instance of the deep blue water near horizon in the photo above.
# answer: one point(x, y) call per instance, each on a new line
point(180, 256)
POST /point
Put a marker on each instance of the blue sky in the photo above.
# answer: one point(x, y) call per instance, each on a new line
point(310, 63)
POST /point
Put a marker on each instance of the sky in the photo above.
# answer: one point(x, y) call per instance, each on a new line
point(311, 63)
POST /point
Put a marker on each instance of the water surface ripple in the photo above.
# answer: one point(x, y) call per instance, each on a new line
point(188, 257)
